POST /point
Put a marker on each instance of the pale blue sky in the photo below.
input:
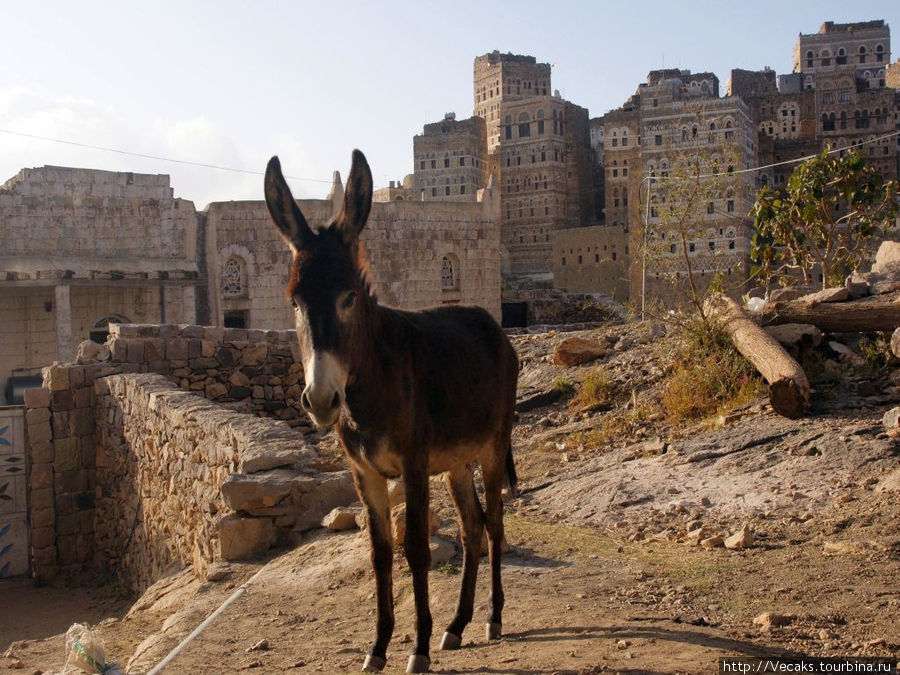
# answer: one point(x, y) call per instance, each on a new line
point(232, 83)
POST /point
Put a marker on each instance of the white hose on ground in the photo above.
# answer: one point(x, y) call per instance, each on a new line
point(208, 620)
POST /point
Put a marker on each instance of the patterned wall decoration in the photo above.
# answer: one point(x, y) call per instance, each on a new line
point(13, 509)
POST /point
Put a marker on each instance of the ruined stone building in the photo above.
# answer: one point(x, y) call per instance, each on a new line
point(80, 249)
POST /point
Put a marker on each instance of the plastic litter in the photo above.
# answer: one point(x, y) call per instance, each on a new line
point(85, 652)
point(755, 305)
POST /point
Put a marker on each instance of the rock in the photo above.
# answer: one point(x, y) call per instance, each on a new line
point(218, 571)
point(846, 547)
point(827, 634)
point(895, 343)
point(839, 294)
point(258, 646)
point(243, 492)
point(91, 352)
point(656, 331)
point(890, 483)
point(891, 421)
point(655, 446)
point(790, 293)
point(239, 379)
point(241, 538)
point(887, 259)
point(398, 522)
point(769, 620)
point(882, 286)
point(789, 334)
point(743, 538)
point(846, 352)
point(442, 551)
point(857, 286)
point(341, 518)
point(716, 541)
point(623, 644)
point(575, 351)
point(396, 492)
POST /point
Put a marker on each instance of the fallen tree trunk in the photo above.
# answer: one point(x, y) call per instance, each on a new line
point(788, 384)
point(877, 313)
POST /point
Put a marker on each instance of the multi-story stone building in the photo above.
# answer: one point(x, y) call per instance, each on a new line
point(449, 160)
point(503, 78)
point(863, 47)
point(545, 179)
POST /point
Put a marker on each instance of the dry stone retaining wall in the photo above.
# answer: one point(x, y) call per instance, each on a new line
point(141, 458)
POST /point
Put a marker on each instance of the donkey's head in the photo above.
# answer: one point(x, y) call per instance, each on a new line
point(326, 288)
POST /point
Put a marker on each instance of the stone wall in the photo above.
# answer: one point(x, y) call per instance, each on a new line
point(141, 458)
point(592, 260)
point(406, 243)
point(182, 481)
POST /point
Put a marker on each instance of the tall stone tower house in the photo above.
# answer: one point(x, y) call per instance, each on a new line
point(503, 78)
point(540, 146)
point(450, 160)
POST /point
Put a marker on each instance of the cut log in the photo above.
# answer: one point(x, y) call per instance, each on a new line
point(877, 313)
point(788, 384)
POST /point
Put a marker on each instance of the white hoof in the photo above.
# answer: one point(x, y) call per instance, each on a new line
point(373, 664)
point(451, 641)
point(493, 631)
point(418, 664)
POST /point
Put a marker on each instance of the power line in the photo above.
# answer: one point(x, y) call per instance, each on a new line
point(160, 158)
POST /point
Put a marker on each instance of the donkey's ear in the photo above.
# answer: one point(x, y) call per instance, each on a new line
point(357, 199)
point(284, 210)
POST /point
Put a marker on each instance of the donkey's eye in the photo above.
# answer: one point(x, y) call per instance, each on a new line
point(294, 304)
point(347, 302)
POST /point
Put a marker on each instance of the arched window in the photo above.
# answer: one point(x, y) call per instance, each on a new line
point(450, 273)
point(100, 332)
point(862, 53)
point(234, 278)
point(879, 52)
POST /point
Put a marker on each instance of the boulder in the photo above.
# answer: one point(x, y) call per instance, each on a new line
point(743, 538)
point(398, 522)
point(769, 620)
point(839, 294)
point(243, 492)
point(574, 351)
point(341, 518)
point(891, 422)
point(91, 352)
point(887, 260)
point(790, 334)
point(442, 551)
point(242, 538)
point(789, 293)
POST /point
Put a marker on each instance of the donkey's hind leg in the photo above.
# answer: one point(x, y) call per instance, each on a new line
point(471, 523)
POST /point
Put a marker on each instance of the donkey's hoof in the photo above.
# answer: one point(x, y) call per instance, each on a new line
point(373, 664)
point(493, 630)
point(418, 664)
point(451, 641)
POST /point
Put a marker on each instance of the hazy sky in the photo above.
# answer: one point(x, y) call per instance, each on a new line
point(232, 83)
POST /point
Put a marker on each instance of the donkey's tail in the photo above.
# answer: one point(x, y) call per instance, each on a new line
point(511, 478)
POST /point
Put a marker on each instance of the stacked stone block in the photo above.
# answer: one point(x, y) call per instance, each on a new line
point(170, 469)
point(251, 370)
point(143, 462)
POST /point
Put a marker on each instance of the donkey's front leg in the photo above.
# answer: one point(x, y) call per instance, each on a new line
point(372, 490)
point(418, 554)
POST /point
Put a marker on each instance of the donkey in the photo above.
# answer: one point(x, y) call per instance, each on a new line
point(411, 394)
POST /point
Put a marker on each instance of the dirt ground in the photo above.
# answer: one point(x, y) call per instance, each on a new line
point(603, 574)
